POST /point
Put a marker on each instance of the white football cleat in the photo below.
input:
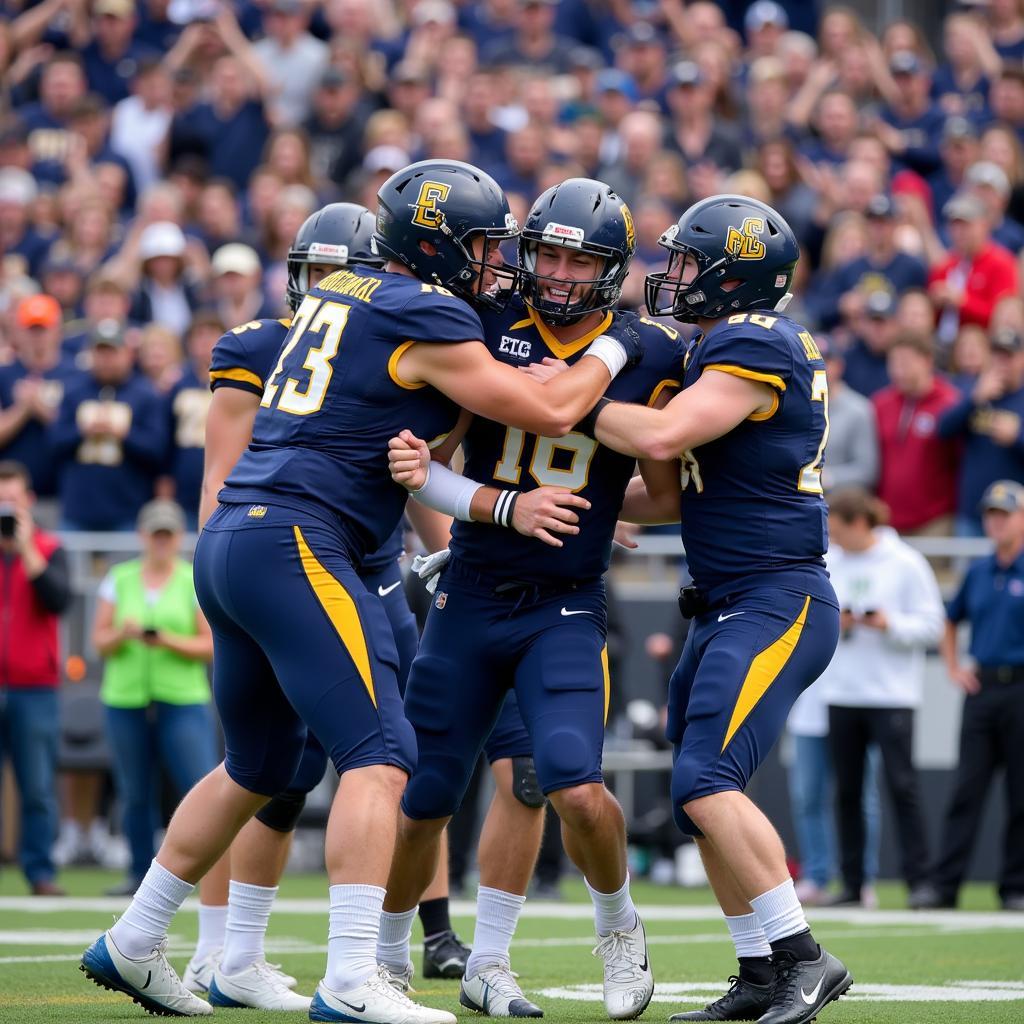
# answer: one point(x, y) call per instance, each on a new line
point(259, 986)
point(150, 981)
point(494, 990)
point(628, 980)
point(199, 973)
point(375, 1001)
point(400, 980)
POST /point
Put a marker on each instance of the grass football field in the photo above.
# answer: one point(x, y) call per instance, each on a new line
point(942, 967)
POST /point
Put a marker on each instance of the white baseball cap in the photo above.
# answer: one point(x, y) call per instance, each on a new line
point(163, 238)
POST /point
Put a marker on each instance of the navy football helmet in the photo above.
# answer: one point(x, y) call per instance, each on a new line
point(583, 214)
point(339, 234)
point(447, 203)
point(731, 238)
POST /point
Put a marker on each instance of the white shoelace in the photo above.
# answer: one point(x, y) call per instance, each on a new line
point(271, 974)
point(380, 982)
point(502, 979)
point(621, 957)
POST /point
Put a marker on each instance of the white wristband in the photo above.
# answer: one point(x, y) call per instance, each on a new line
point(447, 492)
point(609, 351)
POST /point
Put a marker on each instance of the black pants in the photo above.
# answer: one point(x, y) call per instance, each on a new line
point(991, 736)
point(851, 732)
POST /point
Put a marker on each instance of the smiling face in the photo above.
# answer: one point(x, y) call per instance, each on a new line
point(558, 267)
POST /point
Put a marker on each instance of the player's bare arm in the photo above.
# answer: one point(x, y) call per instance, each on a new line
point(711, 407)
point(228, 432)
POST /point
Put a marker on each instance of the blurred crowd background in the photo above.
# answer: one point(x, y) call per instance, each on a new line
point(158, 156)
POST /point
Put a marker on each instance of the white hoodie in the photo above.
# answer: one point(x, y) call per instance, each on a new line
point(883, 669)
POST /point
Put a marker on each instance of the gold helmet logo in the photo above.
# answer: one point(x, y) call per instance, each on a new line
point(425, 211)
point(745, 243)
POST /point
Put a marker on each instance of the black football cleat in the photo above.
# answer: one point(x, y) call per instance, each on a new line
point(803, 987)
point(743, 1001)
point(445, 956)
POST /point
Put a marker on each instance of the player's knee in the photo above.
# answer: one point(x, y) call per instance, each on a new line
point(580, 807)
point(689, 784)
point(431, 794)
point(268, 775)
point(283, 812)
point(565, 757)
point(525, 784)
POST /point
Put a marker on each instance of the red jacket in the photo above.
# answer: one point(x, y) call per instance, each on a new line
point(918, 468)
point(29, 648)
point(992, 274)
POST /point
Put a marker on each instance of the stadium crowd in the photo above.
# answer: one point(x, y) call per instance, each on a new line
point(157, 158)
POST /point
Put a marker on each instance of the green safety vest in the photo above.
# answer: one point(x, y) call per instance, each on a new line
point(135, 674)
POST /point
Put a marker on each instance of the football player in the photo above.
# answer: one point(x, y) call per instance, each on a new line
point(336, 236)
point(511, 614)
point(750, 427)
point(299, 640)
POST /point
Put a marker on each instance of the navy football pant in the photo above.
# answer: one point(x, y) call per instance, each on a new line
point(483, 639)
point(744, 664)
point(298, 640)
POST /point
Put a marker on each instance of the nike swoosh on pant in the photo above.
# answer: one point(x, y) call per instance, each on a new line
point(809, 999)
point(722, 618)
point(583, 611)
point(383, 592)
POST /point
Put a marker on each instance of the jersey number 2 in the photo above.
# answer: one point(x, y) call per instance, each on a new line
point(574, 477)
point(331, 318)
point(810, 475)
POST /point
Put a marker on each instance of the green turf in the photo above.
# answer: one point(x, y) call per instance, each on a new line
point(551, 953)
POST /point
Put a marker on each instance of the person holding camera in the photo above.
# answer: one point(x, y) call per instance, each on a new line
point(36, 589)
point(157, 644)
point(891, 612)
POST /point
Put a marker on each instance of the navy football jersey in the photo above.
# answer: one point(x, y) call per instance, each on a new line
point(752, 500)
point(510, 458)
point(244, 358)
point(334, 398)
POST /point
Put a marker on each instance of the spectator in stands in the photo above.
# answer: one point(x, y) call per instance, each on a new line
point(189, 402)
point(910, 125)
point(1001, 145)
point(977, 273)
point(992, 725)
point(110, 438)
point(18, 191)
point(990, 419)
point(695, 132)
point(31, 389)
point(112, 58)
point(534, 44)
point(835, 126)
point(156, 644)
point(640, 133)
point(160, 357)
point(1006, 97)
point(867, 358)
point(961, 85)
point(165, 292)
point(851, 454)
point(917, 478)
point(958, 149)
point(1006, 27)
point(883, 267)
point(969, 358)
point(140, 122)
point(61, 86)
point(336, 123)
point(60, 278)
point(891, 613)
point(988, 181)
point(237, 291)
point(36, 587)
point(294, 61)
point(106, 298)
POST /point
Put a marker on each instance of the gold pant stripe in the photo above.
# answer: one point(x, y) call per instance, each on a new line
point(763, 671)
point(341, 610)
point(607, 681)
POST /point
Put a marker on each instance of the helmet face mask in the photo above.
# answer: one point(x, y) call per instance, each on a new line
point(337, 235)
point(745, 255)
point(581, 215)
point(448, 204)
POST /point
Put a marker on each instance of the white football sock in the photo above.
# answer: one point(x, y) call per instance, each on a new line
point(143, 926)
point(613, 911)
point(496, 915)
point(212, 922)
point(249, 909)
point(393, 940)
point(352, 939)
point(748, 936)
point(779, 912)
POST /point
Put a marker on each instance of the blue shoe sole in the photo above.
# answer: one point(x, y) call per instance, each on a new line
point(217, 998)
point(97, 966)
